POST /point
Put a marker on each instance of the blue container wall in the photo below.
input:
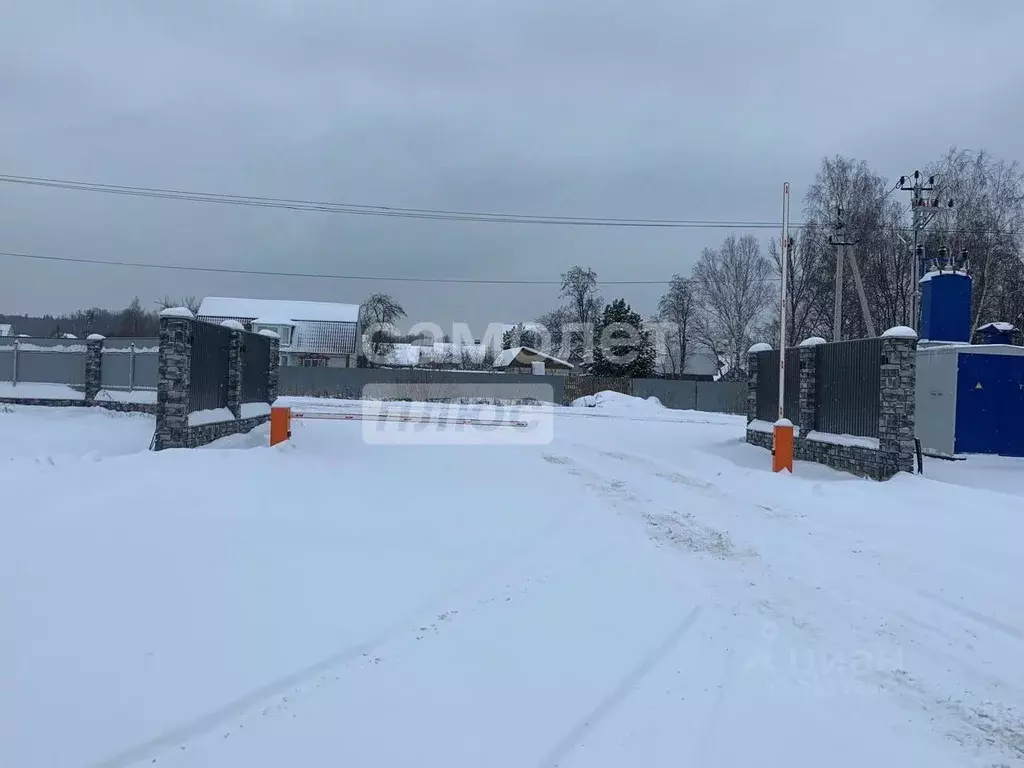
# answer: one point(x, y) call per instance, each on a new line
point(990, 404)
point(946, 308)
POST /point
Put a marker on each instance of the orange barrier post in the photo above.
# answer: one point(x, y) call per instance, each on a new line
point(280, 425)
point(782, 448)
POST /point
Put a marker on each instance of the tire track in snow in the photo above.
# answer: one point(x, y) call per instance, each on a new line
point(970, 721)
point(680, 528)
point(627, 685)
point(293, 682)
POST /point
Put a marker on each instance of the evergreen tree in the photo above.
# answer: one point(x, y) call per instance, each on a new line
point(623, 345)
point(520, 336)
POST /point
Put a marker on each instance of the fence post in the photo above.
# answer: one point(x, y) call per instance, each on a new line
point(174, 367)
point(93, 366)
point(897, 410)
point(809, 383)
point(273, 370)
point(235, 362)
point(131, 366)
point(14, 364)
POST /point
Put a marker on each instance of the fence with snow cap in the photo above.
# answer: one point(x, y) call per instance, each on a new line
point(854, 403)
point(204, 391)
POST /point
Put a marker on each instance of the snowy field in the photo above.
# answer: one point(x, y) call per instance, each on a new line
point(640, 592)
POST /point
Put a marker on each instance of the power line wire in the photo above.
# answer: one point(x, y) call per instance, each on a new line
point(424, 213)
point(311, 275)
point(379, 210)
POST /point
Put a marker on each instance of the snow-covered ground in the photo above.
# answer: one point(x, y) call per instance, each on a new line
point(641, 591)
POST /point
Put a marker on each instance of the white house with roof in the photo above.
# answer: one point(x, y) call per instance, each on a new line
point(313, 333)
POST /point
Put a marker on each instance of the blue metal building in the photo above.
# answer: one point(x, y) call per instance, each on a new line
point(970, 398)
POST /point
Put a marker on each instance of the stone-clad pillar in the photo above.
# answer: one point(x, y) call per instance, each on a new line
point(273, 369)
point(897, 409)
point(808, 382)
point(173, 378)
point(93, 366)
point(236, 361)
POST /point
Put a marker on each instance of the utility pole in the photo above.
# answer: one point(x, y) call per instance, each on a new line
point(922, 211)
point(839, 240)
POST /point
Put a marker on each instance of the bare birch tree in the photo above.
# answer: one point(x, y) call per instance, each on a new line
point(675, 317)
point(732, 288)
point(581, 313)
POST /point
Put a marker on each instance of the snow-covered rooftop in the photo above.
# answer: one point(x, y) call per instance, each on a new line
point(940, 272)
point(507, 356)
point(6, 329)
point(998, 326)
point(278, 309)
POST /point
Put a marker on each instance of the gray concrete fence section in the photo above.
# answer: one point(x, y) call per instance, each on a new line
point(43, 361)
point(351, 383)
point(130, 364)
point(713, 396)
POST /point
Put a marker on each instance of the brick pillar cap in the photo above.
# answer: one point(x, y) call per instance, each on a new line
point(900, 332)
point(234, 325)
point(95, 337)
point(178, 312)
point(812, 341)
point(270, 334)
point(760, 347)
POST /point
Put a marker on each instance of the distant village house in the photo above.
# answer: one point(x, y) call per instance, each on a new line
point(313, 333)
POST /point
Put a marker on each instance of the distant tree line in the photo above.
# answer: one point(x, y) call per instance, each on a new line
point(134, 321)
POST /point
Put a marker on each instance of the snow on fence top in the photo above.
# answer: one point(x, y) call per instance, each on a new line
point(900, 332)
point(759, 347)
point(23, 347)
point(812, 341)
point(178, 312)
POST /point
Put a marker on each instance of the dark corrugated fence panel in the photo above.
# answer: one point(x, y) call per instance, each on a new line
point(768, 385)
point(211, 354)
point(848, 387)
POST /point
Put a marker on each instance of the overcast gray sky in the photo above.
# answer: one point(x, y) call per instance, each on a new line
point(650, 108)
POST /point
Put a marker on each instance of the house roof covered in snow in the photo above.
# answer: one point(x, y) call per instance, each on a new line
point(998, 326)
point(526, 355)
point(249, 309)
point(319, 327)
point(6, 329)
